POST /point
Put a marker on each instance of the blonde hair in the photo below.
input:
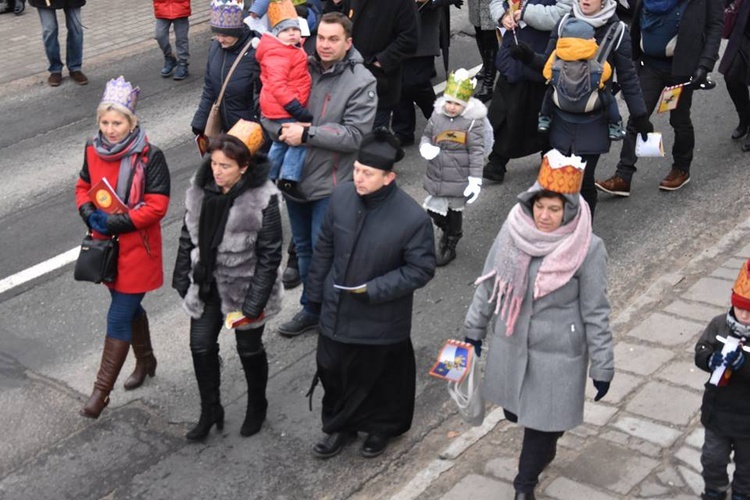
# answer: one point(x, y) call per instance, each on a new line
point(113, 106)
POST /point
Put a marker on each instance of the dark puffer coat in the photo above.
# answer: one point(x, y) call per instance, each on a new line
point(383, 239)
point(241, 97)
point(725, 409)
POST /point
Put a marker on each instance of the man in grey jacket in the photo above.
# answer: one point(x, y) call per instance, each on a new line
point(342, 101)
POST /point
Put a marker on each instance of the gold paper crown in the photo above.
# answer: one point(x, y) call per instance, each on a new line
point(459, 86)
point(250, 133)
point(119, 91)
point(280, 10)
point(741, 289)
point(561, 174)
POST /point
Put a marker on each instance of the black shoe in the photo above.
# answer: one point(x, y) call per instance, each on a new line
point(405, 140)
point(524, 495)
point(302, 322)
point(19, 7)
point(374, 445)
point(493, 175)
point(182, 71)
point(740, 131)
point(291, 278)
point(170, 63)
point(332, 444)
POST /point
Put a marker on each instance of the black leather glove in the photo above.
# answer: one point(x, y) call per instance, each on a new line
point(298, 111)
point(602, 388)
point(698, 80)
point(522, 52)
point(477, 345)
point(197, 131)
point(643, 126)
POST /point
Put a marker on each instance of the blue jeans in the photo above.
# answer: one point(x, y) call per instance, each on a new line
point(181, 27)
point(305, 218)
point(122, 311)
point(287, 161)
point(74, 45)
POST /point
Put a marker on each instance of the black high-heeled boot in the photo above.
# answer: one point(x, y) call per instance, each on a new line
point(207, 373)
point(256, 375)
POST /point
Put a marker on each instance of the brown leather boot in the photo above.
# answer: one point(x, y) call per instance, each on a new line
point(113, 357)
point(145, 362)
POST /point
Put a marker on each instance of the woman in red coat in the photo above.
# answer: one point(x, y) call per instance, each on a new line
point(137, 171)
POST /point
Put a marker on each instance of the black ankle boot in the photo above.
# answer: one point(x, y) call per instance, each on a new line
point(741, 130)
point(208, 375)
point(256, 375)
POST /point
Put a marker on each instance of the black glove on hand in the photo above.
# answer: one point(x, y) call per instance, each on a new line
point(698, 80)
point(477, 345)
point(197, 131)
point(298, 111)
point(522, 52)
point(643, 126)
point(602, 388)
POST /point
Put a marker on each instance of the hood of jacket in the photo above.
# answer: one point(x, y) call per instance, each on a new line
point(474, 109)
point(576, 49)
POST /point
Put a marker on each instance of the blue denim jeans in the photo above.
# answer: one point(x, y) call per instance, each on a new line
point(74, 44)
point(287, 161)
point(305, 218)
point(181, 28)
point(122, 310)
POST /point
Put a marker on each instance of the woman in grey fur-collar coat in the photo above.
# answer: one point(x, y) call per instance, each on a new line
point(546, 279)
point(228, 262)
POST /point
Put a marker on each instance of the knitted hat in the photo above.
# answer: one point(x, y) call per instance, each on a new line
point(285, 24)
point(741, 289)
point(575, 28)
point(459, 87)
point(226, 17)
point(121, 92)
point(250, 133)
point(380, 149)
point(280, 11)
point(561, 174)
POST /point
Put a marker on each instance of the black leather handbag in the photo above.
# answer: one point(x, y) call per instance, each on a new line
point(97, 261)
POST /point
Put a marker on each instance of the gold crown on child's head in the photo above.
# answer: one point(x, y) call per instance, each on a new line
point(459, 86)
point(119, 91)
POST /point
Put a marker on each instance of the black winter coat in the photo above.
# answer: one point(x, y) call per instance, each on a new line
point(741, 30)
point(726, 409)
point(698, 37)
point(241, 97)
point(386, 31)
point(384, 240)
point(584, 134)
point(57, 4)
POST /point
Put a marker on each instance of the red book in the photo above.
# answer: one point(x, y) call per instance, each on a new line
point(105, 198)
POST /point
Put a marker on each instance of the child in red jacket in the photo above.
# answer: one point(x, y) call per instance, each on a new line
point(174, 13)
point(285, 91)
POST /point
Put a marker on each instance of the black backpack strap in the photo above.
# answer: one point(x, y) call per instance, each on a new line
point(611, 41)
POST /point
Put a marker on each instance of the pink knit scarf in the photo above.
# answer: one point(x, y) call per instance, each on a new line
point(563, 249)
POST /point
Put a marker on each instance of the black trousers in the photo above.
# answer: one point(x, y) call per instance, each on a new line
point(204, 331)
point(537, 452)
point(653, 82)
point(737, 79)
point(416, 88)
point(715, 457)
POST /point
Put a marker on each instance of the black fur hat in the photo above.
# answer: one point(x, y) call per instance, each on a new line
point(380, 149)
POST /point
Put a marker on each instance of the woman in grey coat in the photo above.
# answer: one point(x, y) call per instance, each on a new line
point(546, 277)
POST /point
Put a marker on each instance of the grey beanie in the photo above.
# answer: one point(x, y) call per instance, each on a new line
point(575, 28)
point(283, 25)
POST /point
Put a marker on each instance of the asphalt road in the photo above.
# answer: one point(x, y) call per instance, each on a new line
point(51, 329)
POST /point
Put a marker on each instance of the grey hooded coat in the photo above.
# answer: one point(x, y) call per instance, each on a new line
point(539, 372)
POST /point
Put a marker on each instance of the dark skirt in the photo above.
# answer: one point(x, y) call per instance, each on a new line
point(368, 388)
point(514, 115)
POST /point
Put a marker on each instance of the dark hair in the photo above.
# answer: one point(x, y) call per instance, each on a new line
point(232, 147)
point(545, 193)
point(338, 18)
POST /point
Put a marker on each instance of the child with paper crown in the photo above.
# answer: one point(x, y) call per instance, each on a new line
point(286, 90)
point(725, 412)
point(454, 143)
point(577, 43)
